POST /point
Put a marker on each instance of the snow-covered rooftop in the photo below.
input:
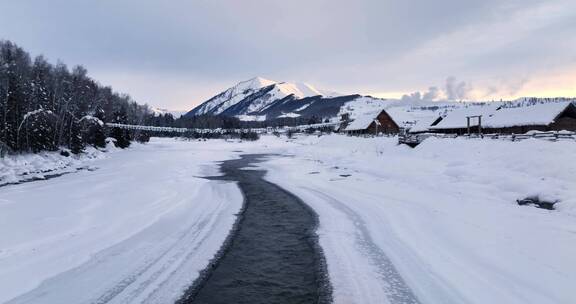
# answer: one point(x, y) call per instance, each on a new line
point(363, 105)
point(498, 115)
point(408, 116)
point(538, 114)
point(423, 124)
point(363, 120)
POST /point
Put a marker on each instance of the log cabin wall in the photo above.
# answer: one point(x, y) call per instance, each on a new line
point(387, 124)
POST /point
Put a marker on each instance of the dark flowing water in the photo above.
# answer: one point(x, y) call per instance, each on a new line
point(272, 255)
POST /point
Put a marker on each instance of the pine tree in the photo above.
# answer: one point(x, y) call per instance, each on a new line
point(76, 144)
point(93, 131)
point(122, 136)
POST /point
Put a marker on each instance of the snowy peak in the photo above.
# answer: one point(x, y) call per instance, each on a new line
point(252, 85)
point(254, 95)
point(299, 90)
point(256, 83)
point(219, 103)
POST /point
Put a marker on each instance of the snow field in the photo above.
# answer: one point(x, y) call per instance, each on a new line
point(435, 224)
point(444, 214)
point(136, 230)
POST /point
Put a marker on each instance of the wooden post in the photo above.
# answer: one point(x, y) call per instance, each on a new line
point(480, 125)
point(468, 125)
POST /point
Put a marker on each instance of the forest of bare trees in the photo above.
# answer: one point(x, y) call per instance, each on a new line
point(47, 107)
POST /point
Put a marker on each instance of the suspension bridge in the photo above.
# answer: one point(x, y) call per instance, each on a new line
point(266, 130)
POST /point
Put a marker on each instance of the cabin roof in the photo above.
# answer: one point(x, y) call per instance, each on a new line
point(362, 121)
point(498, 115)
point(409, 117)
point(424, 124)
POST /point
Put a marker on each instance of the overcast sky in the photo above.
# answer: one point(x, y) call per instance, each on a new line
point(175, 54)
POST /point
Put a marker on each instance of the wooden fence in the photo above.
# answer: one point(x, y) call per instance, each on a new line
point(415, 139)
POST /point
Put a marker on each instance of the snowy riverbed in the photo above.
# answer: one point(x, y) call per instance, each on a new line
point(140, 227)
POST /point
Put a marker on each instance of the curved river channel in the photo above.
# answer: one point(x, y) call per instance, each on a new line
point(272, 255)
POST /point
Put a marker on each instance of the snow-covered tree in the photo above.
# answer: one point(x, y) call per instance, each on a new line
point(36, 131)
point(29, 90)
point(93, 131)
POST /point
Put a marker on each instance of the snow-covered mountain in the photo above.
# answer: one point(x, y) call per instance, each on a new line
point(263, 98)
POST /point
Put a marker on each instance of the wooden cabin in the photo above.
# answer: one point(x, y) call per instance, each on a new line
point(566, 120)
point(494, 118)
point(376, 122)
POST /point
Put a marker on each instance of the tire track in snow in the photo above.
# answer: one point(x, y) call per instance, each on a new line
point(396, 289)
point(165, 262)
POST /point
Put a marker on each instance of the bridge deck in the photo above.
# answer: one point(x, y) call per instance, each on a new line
point(219, 130)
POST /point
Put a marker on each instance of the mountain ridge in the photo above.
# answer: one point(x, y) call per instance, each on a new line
point(262, 97)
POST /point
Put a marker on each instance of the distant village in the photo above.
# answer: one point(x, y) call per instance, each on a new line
point(512, 117)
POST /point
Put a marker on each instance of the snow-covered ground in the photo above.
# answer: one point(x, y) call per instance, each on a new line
point(136, 230)
point(28, 167)
point(442, 215)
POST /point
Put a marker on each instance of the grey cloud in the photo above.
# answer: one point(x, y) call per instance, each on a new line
point(453, 90)
point(456, 90)
point(333, 42)
point(513, 87)
point(506, 88)
point(220, 37)
point(413, 97)
point(432, 94)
